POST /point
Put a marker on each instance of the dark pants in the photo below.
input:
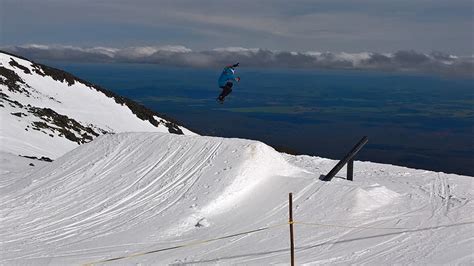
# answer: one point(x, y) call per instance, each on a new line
point(226, 90)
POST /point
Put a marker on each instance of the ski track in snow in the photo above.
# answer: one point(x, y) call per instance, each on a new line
point(135, 192)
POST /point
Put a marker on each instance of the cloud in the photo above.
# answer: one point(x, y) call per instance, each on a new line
point(177, 55)
point(304, 25)
point(64, 53)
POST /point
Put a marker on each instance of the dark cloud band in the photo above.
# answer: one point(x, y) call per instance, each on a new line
point(408, 61)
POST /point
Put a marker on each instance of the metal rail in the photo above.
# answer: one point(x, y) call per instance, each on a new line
point(349, 160)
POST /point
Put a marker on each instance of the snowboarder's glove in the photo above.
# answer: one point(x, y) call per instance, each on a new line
point(235, 65)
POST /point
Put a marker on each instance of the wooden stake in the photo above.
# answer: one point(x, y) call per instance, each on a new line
point(292, 241)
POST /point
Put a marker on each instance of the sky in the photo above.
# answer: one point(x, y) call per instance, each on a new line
point(297, 25)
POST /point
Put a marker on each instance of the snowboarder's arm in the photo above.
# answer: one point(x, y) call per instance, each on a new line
point(234, 78)
point(232, 66)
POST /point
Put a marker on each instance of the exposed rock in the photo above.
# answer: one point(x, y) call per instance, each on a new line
point(69, 128)
point(45, 159)
point(15, 64)
point(19, 114)
point(11, 80)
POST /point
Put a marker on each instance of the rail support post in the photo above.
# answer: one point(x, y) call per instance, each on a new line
point(349, 160)
point(350, 170)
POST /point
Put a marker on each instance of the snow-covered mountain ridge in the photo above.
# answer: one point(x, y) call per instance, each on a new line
point(45, 112)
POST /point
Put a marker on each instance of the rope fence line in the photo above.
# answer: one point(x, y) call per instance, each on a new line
point(199, 242)
point(195, 243)
point(352, 227)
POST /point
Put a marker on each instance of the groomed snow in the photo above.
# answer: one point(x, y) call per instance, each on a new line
point(130, 193)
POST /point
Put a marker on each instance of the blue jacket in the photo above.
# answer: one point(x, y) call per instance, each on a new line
point(227, 75)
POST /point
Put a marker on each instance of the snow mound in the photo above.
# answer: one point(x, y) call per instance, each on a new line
point(261, 162)
point(372, 198)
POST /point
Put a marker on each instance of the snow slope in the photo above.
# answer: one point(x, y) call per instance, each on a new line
point(131, 193)
point(48, 112)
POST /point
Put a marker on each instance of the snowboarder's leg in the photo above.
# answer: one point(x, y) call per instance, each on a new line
point(226, 90)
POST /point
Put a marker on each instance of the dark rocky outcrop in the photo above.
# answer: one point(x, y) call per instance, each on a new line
point(15, 64)
point(66, 126)
point(45, 159)
point(19, 114)
point(12, 80)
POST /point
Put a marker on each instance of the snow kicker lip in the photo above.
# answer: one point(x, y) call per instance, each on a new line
point(261, 162)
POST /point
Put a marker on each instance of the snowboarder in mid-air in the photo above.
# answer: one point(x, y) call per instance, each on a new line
point(226, 81)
